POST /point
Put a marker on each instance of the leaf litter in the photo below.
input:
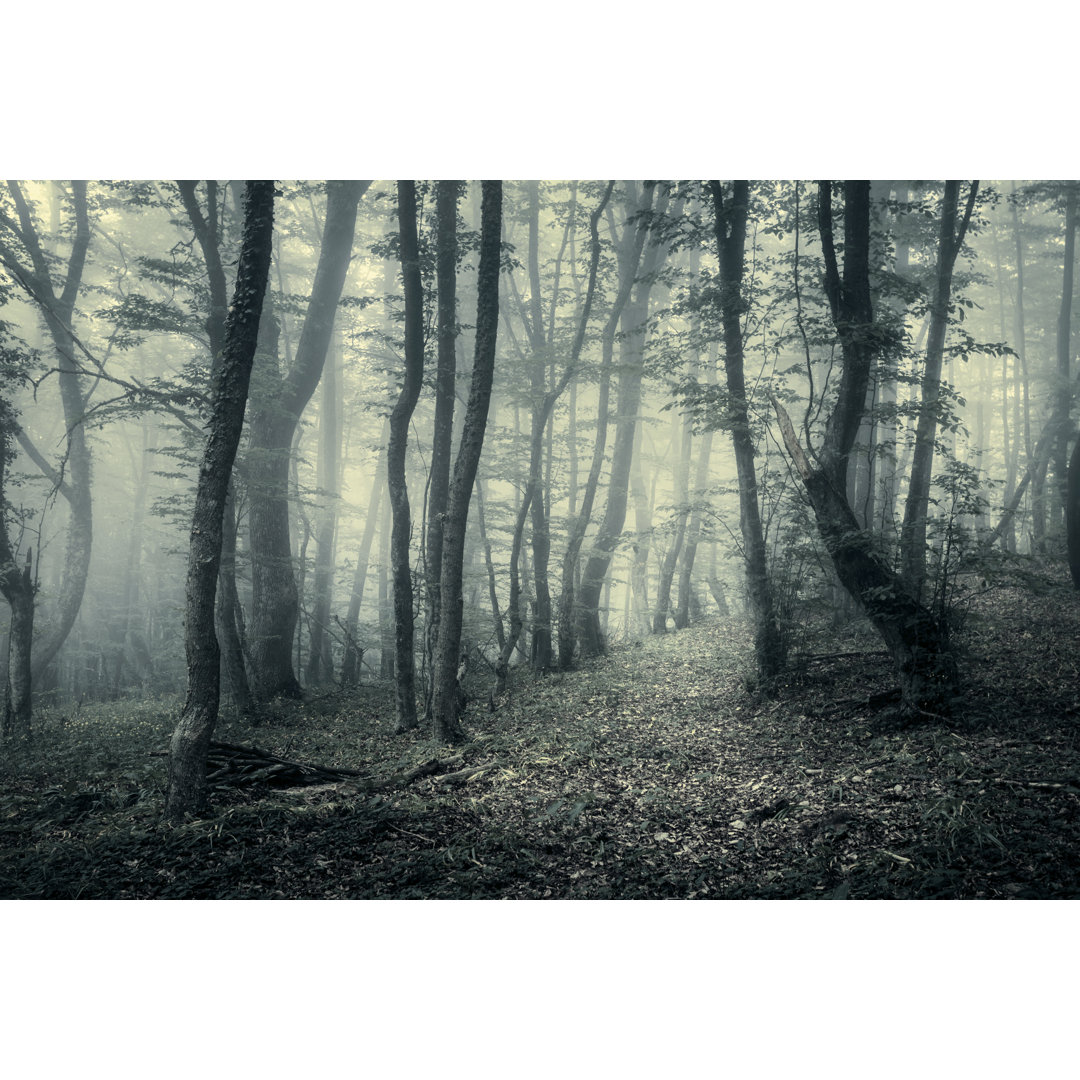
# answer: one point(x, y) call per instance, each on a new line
point(648, 774)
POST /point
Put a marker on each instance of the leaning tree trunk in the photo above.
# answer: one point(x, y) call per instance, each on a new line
point(917, 640)
point(186, 791)
point(447, 703)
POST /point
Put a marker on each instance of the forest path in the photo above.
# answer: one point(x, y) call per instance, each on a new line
point(648, 774)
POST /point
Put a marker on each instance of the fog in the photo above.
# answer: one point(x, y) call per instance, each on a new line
point(140, 357)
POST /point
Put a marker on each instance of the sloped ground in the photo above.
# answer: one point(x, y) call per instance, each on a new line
point(651, 774)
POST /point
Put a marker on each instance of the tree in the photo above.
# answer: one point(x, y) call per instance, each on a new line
point(404, 661)
point(730, 224)
point(187, 791)
point(208, 232)
point(629, 257)
point(320, 666)
point(628, 401)
point(916, 509)
point(917, 639)
point(447, 701)
point(446, 256)
point(73, 480)
point(275, 414)
point(18, 588)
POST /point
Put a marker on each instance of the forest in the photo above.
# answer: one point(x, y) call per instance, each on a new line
point(584, 539)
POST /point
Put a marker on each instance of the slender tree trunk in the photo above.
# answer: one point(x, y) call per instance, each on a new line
point(633, 241)
point(401, 530)
point(448, 700)
point(628, 401)
point(682, 514)
point(641, 545)
point(532, 495)
point(446, 253)
point(18, 589)
point(1062, 387)
point(493, 595)
point(730, 227)
point(916, 510)
point(350, 664)
point(683, 612)
point(187, 791)
point(58, 311)
point(320, 666)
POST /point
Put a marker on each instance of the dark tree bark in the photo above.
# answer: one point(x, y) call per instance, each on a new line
point(186, 790)
point(401, 530)
point(916, 510)
point(18, 589)
point(730, 227)
point(1064, 353)
point(447, 699)
point(275, 414)
point(1072, 514)
point(58, 311)
point(917, 640)
point(446, 253)
point(228, 611)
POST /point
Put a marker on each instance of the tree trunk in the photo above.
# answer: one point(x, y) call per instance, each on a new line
point(446, 253)
point(58, 312)
point(186, 791)
point(448, 699)
point(401, 529)
point(682, 513)
point(532, 495)
point(277, 405)
point(18, 589)
point(1062, 387)
point(916, 639)
point(350, 664)
point(633, 241)
point(320, 666)
point(916, 510)
point(228, 611)
point(628, 401)
point(730, 227)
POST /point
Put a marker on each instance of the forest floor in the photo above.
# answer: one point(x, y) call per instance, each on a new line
point(650, 774)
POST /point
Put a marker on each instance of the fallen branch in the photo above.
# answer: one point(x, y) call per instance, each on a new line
point(465, 774)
